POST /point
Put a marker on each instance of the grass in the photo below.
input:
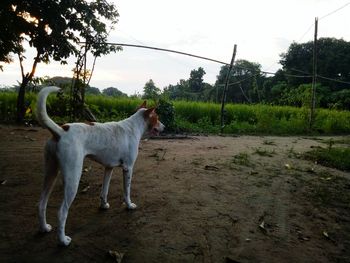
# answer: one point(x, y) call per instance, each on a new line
point(326, 192)
point(267, 142)
point(259, 119)
point(336, 157)
point(264, 152)
point(200, 117)
point(242, 159)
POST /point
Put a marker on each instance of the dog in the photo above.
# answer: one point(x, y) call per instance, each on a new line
point(111, 144)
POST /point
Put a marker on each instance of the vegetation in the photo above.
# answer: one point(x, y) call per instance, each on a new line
point(336, 157)
point(54, 29)
point(150, 91)
point(289, 86)
point(184, 116)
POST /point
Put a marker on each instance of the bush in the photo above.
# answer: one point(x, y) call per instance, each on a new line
point(166, 112)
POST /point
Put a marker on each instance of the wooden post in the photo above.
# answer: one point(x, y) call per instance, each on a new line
point(224, 94)
point(314, 77)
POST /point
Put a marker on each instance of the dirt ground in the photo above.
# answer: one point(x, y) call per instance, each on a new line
point(202, 199)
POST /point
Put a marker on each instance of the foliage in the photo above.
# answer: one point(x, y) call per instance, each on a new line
point(166, 112)
point(150, 91)
point(54, 29)
point(333, 60)
point(114, 92)
point(199, 116)
point(107, 108)
point(194, 89)
point(245, 82)
point(92, 90)
point(248, 85)
point(336, 157)
point(195, 82)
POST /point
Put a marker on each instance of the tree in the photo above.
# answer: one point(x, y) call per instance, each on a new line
point(195, 81)
point(193, 88)
point(54, 29)
point(245, 82)
point(113, 92)
point(92, 90)
point(333, 57)
point(150, 91)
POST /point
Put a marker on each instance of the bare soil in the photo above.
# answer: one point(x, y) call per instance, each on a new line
point(203, 199)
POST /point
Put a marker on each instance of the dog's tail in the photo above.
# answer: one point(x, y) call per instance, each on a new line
point(41, 112)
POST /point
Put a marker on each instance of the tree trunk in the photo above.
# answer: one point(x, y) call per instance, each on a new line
point(22, 89)
point(20, 101)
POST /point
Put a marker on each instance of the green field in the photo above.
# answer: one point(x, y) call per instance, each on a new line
point(199, 117)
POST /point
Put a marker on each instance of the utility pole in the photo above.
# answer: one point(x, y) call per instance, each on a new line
point(314, 77)
point(225, 89)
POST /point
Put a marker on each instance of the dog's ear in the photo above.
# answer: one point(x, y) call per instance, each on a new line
point(149, 112)
point(143, 105)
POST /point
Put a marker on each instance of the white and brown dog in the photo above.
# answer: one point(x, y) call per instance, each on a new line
point(110, 144)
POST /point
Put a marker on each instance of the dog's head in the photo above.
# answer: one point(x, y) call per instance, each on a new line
point(151, 117)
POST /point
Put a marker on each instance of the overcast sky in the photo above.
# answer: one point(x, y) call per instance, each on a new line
point(262, 31)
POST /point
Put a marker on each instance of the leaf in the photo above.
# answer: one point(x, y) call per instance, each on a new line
point(211, 168)
point(288, 166)
point(85, 189)
point(118, 256)
point(262, 227)
point(325, 234)
point(3, 182)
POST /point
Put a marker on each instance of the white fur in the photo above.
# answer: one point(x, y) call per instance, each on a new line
point(110, 144)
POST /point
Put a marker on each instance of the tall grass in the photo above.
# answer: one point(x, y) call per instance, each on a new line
point(259, 119)
point(202, 117)
point(109, 108)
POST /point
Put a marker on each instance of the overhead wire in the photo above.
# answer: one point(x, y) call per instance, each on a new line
point(334, 11)
point(222, 62)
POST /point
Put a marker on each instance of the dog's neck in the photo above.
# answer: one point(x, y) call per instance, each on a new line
point(137, 124)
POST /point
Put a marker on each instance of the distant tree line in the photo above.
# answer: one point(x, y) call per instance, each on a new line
point(290, 85)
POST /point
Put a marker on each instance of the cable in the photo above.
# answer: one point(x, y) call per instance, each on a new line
point(307, 31)
point(336, 10)
point(167, 50)
point(224, 63)
point(335, 80)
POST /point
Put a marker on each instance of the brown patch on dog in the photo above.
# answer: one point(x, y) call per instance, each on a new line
point(153, 119)
point(152, 116)
point(65, 127)
point(89, 123)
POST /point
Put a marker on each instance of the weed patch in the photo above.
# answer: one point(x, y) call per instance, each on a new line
point(264, 152)
point(336, 157)
point(242, 159)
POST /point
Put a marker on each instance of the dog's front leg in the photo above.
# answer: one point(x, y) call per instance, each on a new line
point(105, 186)
point(127, 176)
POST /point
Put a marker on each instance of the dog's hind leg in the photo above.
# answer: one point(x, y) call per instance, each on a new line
point(127, 176)
point(50, 175)
point(105, 186)
point(71, 172)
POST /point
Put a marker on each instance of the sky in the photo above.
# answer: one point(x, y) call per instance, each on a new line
point(262, 31)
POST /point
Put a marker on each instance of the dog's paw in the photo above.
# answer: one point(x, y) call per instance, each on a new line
point(104, 206)
point(46, 228)
point(132, 206)
point(65, 241)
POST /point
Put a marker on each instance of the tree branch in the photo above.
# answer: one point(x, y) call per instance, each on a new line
point(21, 64)
point(36, 61)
